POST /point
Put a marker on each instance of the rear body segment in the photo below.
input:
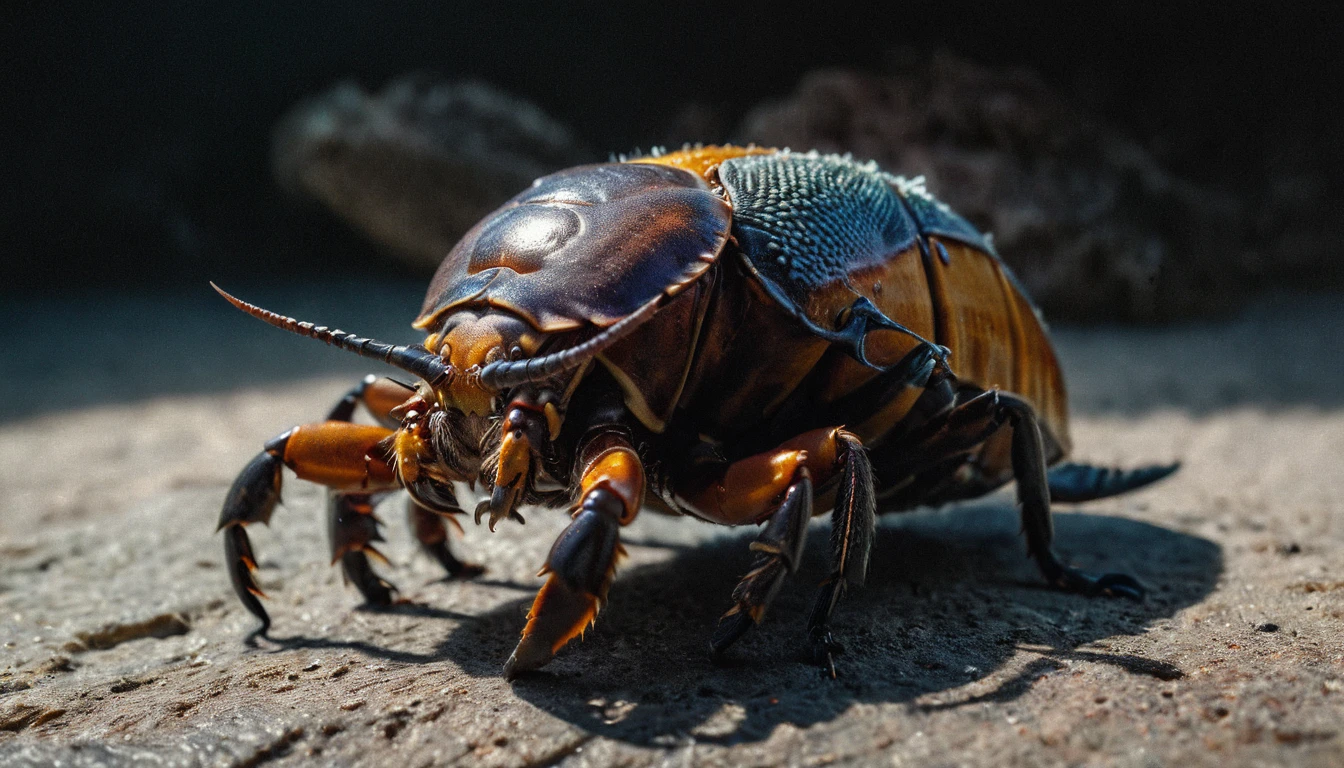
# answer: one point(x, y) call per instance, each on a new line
point(812, 234)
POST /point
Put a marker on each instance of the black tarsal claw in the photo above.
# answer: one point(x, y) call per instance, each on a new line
point(731, 627)
point(823, 650)
point(240, 561)
point(1105, 585)
point(251, 499)
point(481, 508)
point(376, 590)
point(501, 505)
point(488, 506)
point(436, 496)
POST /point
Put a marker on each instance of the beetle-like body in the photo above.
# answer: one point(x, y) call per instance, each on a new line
point(742, 335)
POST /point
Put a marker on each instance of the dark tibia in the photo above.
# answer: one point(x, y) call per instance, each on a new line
point(852, 525)
point(240, 560)
point(779, 548)
point(914, 370)
point(963, 428)
point(1033, 495)
point(1084, 482)
point(353, 530)
point(251, 499)
point(585, 552)
point(255, 491)
point(376, 590)
point(431, 530)
point(581, 565)
point(344, 410)
point(583, 558)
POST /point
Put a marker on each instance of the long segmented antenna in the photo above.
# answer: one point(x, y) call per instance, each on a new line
point(508, 373)
point(413, 358)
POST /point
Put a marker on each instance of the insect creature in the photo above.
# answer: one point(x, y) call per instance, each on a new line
point(742, 335)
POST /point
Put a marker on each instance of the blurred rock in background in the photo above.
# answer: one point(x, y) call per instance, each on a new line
point(1142, 161)
point(1090, 222)
point(415, 165)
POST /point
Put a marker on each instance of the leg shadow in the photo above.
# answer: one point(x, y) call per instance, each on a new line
point(951, 597)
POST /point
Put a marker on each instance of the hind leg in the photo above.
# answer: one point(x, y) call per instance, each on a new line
point(1033, 494)
point(852, 525)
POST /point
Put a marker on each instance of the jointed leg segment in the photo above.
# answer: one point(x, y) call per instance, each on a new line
point(779, 550)
point(778, 485)
point(431, 531)
point(338, 454)
point(583, 559)
point(1033, 494)
point(353, 529)
point(358, 463)
point(852, 525)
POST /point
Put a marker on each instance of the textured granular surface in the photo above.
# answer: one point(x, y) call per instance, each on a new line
point(121, 641)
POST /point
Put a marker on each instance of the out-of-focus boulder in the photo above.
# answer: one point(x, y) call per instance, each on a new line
point(1093, 226)
point(417, 164)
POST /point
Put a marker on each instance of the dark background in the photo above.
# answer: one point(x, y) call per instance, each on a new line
point(136, 136)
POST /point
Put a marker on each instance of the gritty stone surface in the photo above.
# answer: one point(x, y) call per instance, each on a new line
point(121, 641)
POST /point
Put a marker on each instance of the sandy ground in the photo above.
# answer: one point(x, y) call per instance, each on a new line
point(125, 419)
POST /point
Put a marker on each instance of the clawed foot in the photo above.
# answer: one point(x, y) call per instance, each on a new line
point(455, 569)
point(377, 591)
point(465, 572)
point(1092, 585)
point(823, 649)
point(731, 627)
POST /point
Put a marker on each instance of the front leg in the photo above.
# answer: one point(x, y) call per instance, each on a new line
point(583, 559)
point(349, 458)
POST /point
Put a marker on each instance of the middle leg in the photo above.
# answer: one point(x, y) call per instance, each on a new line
point(432, 532)
point(777, 485)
